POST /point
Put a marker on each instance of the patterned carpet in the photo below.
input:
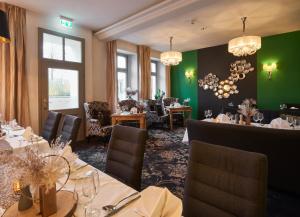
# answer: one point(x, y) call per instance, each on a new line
point(165, 164)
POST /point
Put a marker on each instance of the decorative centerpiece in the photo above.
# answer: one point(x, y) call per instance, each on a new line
point(130, 93)
point(248, 109)
point(31, 176)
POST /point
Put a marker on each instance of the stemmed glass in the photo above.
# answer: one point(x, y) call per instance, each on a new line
point(255, 117)
point(205, 114)
point(85, 191)
point(290, 119)
point(296, 123)
point(209, 113)
point(260, 117)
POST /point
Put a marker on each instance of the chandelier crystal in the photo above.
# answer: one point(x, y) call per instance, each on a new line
point(245, 45)
point(171, 58)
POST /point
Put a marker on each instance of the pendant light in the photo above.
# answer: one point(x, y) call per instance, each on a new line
point(171, 58)
point(244, 45)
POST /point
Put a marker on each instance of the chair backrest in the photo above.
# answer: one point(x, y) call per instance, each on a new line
point(169, 100)
point(70, 128)
point(128, 104)
point(225, 182)
point(281, 146)
point(126, 154)
point(51, 126)
point(98, 110)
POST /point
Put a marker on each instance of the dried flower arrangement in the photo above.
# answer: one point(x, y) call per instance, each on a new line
point(33, 169)
point(248, 109)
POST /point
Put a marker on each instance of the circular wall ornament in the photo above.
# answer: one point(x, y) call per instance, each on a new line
point(223, 89)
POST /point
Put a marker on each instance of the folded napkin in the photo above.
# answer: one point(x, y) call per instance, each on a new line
point(222, 118)
point(280, 123)
point(156, 202)
point(28, 133)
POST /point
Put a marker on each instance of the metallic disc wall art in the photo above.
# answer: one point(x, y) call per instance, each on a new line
point(210, 81)
point(223, 89)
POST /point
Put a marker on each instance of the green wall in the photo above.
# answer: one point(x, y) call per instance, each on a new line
point(181, 87)
point(284, 87)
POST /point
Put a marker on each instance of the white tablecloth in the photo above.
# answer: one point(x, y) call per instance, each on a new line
point(154, 201)
point(186, 137)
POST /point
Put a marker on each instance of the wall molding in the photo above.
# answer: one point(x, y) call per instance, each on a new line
point(142, 18)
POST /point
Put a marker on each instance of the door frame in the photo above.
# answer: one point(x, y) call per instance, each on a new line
point(44, 64)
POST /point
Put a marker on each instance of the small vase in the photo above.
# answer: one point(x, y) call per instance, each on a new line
point(25, 201)
point(48, 204)
point(248, 120)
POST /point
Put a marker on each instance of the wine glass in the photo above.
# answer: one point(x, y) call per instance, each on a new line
point(96, 179)
point(85, 191)
point(290, 119)
point(255, 117)
point(209, 113)
point(260, 117)
point(296, 123)
point(205, 114)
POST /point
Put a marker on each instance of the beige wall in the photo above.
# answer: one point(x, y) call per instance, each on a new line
point(34, 21)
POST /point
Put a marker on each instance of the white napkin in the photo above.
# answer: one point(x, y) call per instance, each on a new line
point(280, 123)
point(28, 133)
point(156, 202)
point(222, 118)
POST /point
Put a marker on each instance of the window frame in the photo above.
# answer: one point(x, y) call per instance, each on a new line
point(122, 70)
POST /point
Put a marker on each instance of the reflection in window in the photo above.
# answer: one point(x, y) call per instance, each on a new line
point(72, 50)
point(63, 89)
point(52, 47)
point(122, 76)
point(122, 85)
point(154, 66)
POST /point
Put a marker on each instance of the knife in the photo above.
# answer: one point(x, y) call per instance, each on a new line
point(123, 206)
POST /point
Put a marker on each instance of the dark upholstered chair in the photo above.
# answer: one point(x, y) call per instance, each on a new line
point(70, 128)
point(51, 126)
point(225, 182)
point(282, 147)
point(155, 113)
point(126, 154)
point(127, 104)
point(98, 119)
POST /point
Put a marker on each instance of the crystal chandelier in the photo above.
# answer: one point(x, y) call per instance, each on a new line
point(245, 45)
point(171, 58)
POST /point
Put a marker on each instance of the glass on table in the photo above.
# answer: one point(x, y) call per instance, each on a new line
point(209, 113)
point(255, 117)
point(84, 193)
point(260, 117)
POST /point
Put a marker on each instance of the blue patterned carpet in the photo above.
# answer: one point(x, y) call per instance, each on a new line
point(165, 164)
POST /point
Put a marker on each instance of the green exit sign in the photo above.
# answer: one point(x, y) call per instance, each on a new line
point(66, 22)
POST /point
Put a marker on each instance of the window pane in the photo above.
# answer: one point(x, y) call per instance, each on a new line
point(122, 62)
point(52, 47)
point(153, 86)
point(153, 67)
point(63, 89)
point(72, 50)
point(122, 85)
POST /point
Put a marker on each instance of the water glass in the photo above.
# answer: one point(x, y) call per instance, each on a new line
point(85, 191)
point(290, 119)
point(209, 113)
point(255, 117)
point(260, 117)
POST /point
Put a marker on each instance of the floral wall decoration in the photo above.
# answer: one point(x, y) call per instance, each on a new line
point(224, 88)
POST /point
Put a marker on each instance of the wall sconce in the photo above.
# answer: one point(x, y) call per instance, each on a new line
point(269, 68)
point(189, 74)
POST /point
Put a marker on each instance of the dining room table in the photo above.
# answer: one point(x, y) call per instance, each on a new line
point(152, 202)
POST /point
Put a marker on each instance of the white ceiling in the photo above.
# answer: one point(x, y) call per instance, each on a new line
point(93, 14)
point(221, 18)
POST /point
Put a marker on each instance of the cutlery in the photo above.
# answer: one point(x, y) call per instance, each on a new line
point(115, 209)
point(111, 207)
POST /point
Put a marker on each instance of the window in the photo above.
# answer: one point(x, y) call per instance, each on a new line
point(63, 87)
point(122, 75)
point(61, 48)
point(154, 74)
